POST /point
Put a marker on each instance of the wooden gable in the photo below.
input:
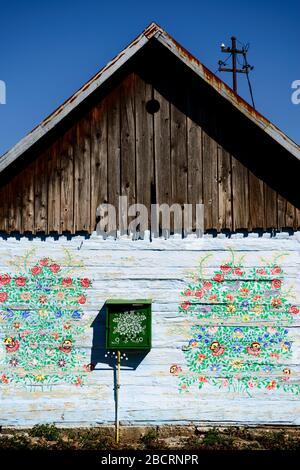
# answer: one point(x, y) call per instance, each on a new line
point(157, 133)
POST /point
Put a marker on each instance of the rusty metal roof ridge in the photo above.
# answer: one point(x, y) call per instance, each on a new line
point(152, 31)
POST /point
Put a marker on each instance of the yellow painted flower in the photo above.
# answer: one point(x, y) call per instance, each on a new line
point(39, 378)
point(43, 312)
point(237, 363)
point(231, 308)
point(258, 309)
point(245, 318)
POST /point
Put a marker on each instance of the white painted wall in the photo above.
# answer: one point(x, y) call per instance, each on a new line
point(158, 270)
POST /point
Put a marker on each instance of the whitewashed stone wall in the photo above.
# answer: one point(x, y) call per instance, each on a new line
point(149, 394)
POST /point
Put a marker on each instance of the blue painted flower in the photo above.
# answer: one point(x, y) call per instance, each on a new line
point(77, 315)
point(58, 314)
point(9, 313)
point(238, 333)
point(25, 314)
point(237, 347)
point(216, 368)
point(245, 304)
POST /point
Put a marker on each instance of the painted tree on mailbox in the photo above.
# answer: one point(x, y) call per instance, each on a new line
point(239, 338)
point(41, 308)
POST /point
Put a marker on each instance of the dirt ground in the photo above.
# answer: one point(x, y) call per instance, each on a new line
point(48, 436)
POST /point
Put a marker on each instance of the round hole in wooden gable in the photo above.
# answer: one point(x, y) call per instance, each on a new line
point(152, 106)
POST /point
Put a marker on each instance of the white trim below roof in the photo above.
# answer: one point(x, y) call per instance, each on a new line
point(152, 31)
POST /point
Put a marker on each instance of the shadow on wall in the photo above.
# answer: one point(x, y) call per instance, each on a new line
point(99, 352)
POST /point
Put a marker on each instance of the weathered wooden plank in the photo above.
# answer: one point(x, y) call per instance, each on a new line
point(15, 198)
point(4, 208)
point(297, 218)
point(195, 172)
point(82, 173)
point(28, 199)
point(240, 195)
point(54, 187)
point(178, 139)
point(210, 181)
point(41, 193)
point(67, 182)
point(281, 208)
point(144, 144)
point(224, 190)
point(270, 198)
point(256, 203)
point(99, 189)
point(162, 150)
point(127, 155)
point(113, 149)
point(290, 217)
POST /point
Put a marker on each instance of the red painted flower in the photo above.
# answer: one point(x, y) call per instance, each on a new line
point(67, 282)
point(207, 285)
point(78, 381)
point(201, 357)
point(187, 292)
point(230, 297)
point(81, 299)
point(276, 270)
point(44, 262)
point(4, 379)
point(257, 297)
point(261, 271)
point(238, 272)
point(3, 296)
point(244, 291)
point(24, 333)
point(199, 293)
point(21, 281)
point(213, 298)
point(202, 379)
point(43, 299)
point(185, 305)
point(275, 355)
point(219, 277)
point(293, 310)
point(276, 302)
point(85, 282)
point(36, 270)
point(225, 268)
point(5, 279)
point(276, 284)
point(271, 385)
point(54, 268)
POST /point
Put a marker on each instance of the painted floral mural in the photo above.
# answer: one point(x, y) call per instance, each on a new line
point(239, 336)
point(41, 311)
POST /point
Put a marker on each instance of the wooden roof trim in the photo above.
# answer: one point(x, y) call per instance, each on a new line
point(95, 82)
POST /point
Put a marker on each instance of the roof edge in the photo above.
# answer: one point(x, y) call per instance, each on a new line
point(153, 30)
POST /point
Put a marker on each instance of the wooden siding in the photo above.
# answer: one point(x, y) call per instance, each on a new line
point(194, 149)
point(149, 393)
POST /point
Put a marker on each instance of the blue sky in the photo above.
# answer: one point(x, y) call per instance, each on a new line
point(48, 49)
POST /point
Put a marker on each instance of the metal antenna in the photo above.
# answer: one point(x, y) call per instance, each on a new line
point(234, 52)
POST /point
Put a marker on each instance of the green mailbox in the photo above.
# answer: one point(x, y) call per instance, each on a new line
point(128, 324)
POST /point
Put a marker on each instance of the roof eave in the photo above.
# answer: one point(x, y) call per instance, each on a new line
point(153, 30)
